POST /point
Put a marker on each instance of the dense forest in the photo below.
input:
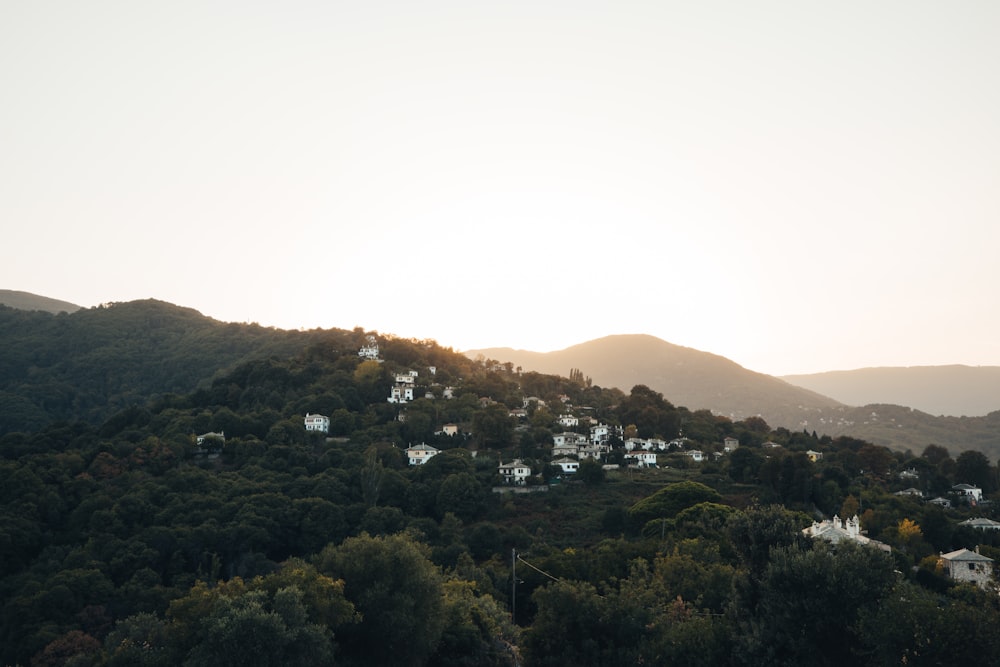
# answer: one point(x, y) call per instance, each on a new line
point(126, 541)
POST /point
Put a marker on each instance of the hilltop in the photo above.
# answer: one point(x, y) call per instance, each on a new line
point(688, 377)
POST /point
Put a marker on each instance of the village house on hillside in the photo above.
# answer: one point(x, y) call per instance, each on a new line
point(516, 472)
point(370, 349)
point(568, 421)
point(601, 434)
point(968, 566)
point(421, 454)
point(318, 423)
point(211, 435)
point(641, 458)
point(981, 523)
point(835, 531)
point(972, 494)
point(567, 465)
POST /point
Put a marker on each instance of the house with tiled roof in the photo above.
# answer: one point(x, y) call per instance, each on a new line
point(516, 472)
point(835, 531)
point(317, 423)
point(967, 566)
point(567, 465)
point(418, 455)
point(980, 523)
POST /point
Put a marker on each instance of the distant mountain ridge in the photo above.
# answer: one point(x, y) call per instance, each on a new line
point(685, 376)
point(29, 301)
point(696, 380)
point(970, 391)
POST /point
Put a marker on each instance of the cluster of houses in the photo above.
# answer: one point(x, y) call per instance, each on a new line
point(960, 565)
point(966, 494)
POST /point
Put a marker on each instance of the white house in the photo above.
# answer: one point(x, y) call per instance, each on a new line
point(569, 438)
point(696, 455)
point(568, 421)
point(943, 503)
point(421, 454)
point(567, 465)
point(729, 444)
point(401, 393)
point(632, 444)
point(642, 458)
point(602, 433)
point(514, 472)
point(212, 435)
point(970, 566)
point(814, 456)
point(564, 450)
point(980, 523)
point(370, 349)
point(406, 378)
point(838, 531)
point(318, 423)
point(450, 429)
point(971, 493)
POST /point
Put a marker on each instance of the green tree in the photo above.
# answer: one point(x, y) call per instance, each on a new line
point(812, 602)
point(972, 467)
point(493, 426)
point(462, 494)
point(247, 630)
point(590, 472)
point(398, 592)
point(671, 499)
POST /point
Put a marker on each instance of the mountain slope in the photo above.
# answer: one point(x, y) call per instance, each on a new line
point(970, 391)
point(685, 376)
point(95, 361)
point(29, 301)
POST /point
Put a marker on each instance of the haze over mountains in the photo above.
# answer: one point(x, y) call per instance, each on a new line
point(971, 391)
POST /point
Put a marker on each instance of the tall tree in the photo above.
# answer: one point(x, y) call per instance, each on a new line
point(398, 592)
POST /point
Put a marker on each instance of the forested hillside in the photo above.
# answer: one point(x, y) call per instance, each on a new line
point(91, 363)
point(128, 542)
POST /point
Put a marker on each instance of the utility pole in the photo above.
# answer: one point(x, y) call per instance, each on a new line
point(513, 586)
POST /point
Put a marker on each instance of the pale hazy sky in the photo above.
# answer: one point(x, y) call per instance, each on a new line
point(798, 186)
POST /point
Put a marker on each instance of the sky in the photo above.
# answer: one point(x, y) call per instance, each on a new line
point(798, 186)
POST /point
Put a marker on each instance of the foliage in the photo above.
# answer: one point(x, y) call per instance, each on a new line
point(671, 499)
point(398, 592)
point(124, 542)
